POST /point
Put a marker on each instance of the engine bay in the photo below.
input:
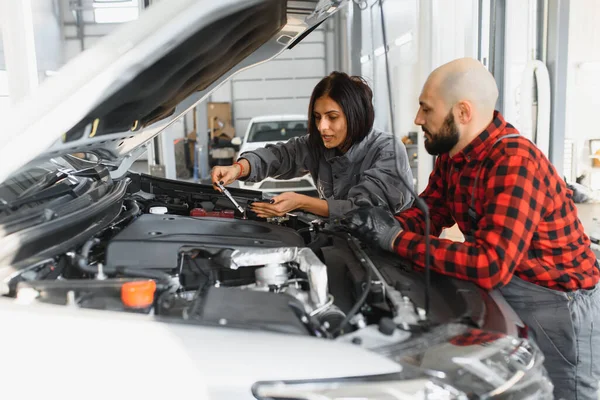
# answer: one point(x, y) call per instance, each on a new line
point(182, 252)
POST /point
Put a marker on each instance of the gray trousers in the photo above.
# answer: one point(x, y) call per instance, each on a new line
point(566, 327)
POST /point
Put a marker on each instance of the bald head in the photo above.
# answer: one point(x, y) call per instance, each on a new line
point(465, 79)
point(456, 104)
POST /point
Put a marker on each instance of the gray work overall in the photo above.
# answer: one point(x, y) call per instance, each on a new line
point(564, 325)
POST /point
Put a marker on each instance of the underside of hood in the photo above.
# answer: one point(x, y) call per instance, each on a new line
point(113, 99)
point(192, 66)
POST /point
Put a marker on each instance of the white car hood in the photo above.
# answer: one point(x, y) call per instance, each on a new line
point(114, 98)
point(99, 350)
point(249, 146)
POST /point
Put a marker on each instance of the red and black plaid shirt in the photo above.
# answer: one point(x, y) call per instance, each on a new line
point(528, 224)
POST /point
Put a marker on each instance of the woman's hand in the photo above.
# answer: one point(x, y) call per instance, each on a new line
point(225, 175)
point(282, 204)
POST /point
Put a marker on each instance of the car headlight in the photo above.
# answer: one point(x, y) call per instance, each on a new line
point(385, 387)
point(477, 362)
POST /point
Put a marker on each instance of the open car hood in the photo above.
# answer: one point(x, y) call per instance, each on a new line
point(114, 98)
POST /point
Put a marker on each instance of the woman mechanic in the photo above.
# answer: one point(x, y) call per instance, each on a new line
point(348, 160)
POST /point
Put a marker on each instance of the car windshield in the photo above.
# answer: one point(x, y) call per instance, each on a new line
point(277, 131)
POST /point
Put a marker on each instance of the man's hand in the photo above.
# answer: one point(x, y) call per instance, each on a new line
point(375, 226)
point(282, 204)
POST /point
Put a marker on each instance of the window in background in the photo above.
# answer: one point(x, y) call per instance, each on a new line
point(115, 11)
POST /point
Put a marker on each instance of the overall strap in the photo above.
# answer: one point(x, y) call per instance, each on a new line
point(471, 212)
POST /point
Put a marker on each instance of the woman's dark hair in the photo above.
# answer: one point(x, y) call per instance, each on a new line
point(354, 96)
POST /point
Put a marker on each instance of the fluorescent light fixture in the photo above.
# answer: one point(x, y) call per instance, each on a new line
point(404, 39)
point(115, 3)
point(115, 15)
point(115, 11)
point(379, 51)
point(365, 59)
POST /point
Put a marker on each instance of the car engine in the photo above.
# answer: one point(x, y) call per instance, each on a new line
point(185, 253)
point(193, 257)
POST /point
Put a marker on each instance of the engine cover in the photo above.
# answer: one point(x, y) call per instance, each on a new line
point(248, 309)
point(154, 241)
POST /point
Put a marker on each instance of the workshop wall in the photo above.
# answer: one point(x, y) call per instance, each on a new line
point(279, 86)
point(2, 60)
point(49, 49)
point(48, 46)
point(583, 85)
point(4, 99)
point(421, 35)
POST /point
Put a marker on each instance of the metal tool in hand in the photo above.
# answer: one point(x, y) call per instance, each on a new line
point(230, 197)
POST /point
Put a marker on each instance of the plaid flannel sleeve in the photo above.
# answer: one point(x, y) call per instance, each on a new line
point(515, 202)
point(413, 219)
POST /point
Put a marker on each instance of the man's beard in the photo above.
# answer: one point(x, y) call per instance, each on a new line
point(444, 140)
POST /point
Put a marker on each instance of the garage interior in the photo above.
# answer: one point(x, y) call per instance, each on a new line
point(544, 55)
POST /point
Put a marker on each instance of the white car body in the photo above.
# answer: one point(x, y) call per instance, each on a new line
point(110, 355)
point(303, 183)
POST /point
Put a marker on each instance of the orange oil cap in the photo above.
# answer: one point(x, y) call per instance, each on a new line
point(138, 294)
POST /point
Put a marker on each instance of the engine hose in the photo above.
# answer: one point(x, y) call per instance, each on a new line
point(83, 258)
point(356, 307)
point(132, 209)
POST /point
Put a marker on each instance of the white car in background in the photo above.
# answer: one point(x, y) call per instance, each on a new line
point(273, 129)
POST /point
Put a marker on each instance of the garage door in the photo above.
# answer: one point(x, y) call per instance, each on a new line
point(280, 86)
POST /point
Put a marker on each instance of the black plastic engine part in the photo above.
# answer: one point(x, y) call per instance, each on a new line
point(387, 326)
point(467, 300)
point(201, 272)
point(248, 309)
point(331, 318)
point(154, 241)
